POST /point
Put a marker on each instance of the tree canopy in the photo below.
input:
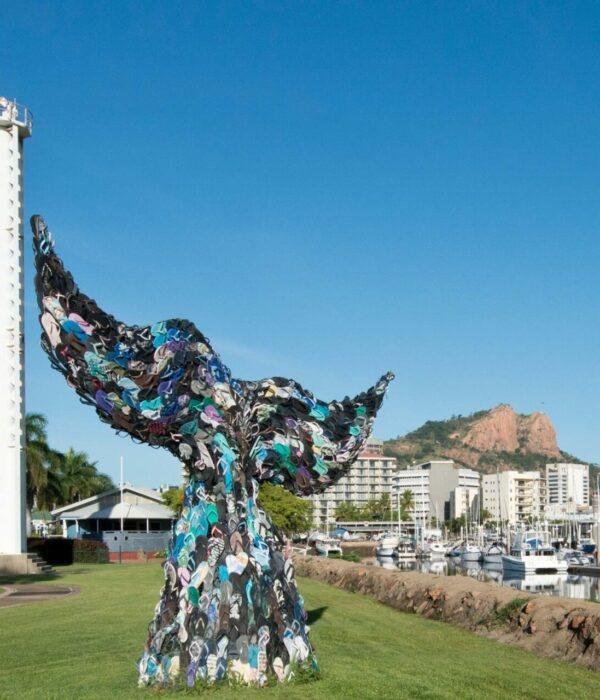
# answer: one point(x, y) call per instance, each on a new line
point(174, 499)
point(55, 479)
point(289, 513)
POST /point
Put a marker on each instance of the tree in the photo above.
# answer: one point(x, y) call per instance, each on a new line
point(348, 512)
point(407, 504)
point(486, 516)
point(79, 477)
point(455, 524)
point(43, 487)
point(55, 479)
point(289, 513)
point(174, 499)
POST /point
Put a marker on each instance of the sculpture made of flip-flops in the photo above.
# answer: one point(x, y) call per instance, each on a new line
point(229, 607)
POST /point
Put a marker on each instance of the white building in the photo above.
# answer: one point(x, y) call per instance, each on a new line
point(369, 478)
point(514, 497)
point(568, 488)
point(440, 489)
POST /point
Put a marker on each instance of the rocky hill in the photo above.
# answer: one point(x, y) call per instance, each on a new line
point(484, 441)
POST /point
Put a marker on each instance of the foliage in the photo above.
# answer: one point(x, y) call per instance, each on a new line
point(348, 512)
point(508, 611)
point(438, 432)
point(407, 504)
point(55, 479)
point(43, 487)
point(455, 524)
point(373, 510)
point(89, 552)
point(486, 516)
point(173, 498)
point(289, 513)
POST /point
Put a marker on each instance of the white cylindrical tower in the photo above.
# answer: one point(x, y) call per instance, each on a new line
point(15, 127)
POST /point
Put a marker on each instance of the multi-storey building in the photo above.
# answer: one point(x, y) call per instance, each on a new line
point(369, 478)
point(440, 489)
point(568, 488)
point(514, 497)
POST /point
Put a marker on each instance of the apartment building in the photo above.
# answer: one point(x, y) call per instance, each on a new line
point(568, 488)
point(514, 497)
point(369, 478)
point(440, 489)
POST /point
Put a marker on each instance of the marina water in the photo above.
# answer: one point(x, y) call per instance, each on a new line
point(564, 584)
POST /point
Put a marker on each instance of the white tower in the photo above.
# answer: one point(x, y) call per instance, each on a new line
point(15, 127)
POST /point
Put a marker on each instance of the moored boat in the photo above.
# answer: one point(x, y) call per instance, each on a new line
point(492, 554)
point(529, 554)
point(387, 546)
point(327, 546)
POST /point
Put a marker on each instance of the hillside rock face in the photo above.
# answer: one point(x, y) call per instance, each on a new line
point(502, 430)
point(498, 438)
point(498, 431)
point(538, 435)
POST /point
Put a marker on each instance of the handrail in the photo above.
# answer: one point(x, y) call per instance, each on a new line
point(15, 112)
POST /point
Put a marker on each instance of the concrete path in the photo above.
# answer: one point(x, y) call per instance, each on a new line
point(12, 595)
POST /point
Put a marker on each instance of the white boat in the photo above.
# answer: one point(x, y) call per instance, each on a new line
point(574, 557)
point(405, 550)
point(492, 554)
point(470, 553)
point(327, 546)
point(435, 548)
point(529, 555)
point(387, 546)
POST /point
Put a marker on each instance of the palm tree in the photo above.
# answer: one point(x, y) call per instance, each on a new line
point(78, 476)
point(39, 459)
point(407, 503)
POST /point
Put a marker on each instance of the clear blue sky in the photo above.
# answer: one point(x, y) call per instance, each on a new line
point(329, 190)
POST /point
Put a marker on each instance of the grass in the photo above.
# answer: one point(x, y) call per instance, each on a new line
point(508, 611)
point(86, 647)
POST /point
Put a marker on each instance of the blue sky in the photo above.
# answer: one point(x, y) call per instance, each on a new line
point(329, 191)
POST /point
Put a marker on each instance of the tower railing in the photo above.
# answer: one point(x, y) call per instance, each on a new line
point(12, 111)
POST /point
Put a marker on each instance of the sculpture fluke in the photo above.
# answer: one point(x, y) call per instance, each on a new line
point(165, 385)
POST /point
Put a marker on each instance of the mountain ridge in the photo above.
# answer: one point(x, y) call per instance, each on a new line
point(497, 438)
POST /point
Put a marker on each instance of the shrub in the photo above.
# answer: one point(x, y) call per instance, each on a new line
point(89, 552)
point(509, 611)
point(53, 550)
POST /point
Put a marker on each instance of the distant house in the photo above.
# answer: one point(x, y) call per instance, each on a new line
point(136, 519)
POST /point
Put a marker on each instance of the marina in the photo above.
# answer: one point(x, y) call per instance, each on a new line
point(577, 583)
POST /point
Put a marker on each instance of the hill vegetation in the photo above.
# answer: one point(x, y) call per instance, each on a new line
point(497, 438)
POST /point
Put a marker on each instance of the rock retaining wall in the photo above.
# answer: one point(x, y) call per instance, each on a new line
point(558, 628)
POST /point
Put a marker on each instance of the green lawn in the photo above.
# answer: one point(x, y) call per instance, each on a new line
point(86, 647)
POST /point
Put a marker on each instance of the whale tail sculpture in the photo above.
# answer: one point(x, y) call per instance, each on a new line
point(229, 606)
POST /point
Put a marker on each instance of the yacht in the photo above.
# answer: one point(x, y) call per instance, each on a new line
point(471, 553)
point(492, 554)
point(405, 549)
point(387, 546)
point(588, 545)
point(435, 548)
point(327, 545)
point(573, 557)
point(529, 555)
